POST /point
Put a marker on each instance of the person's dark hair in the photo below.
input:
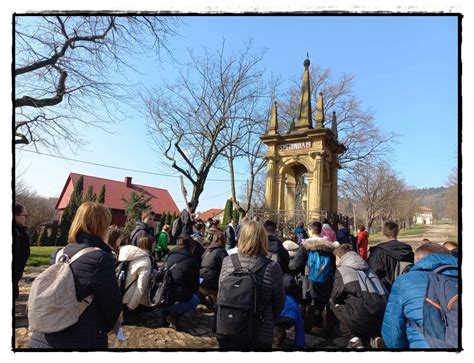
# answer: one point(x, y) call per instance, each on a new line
point(114, 237)
point(424, 240)
point(316, 227)
point(361, 227)
point(148, 214)
point(300, 224)
point(325, 221)
point(216, 223)
point(209, 219)
point(429, 248)
point(342, 250)
point(199, 226)
point(186, 242)
point(19, 209)
point(390, 229)
point(270, 227)
point(146, 243)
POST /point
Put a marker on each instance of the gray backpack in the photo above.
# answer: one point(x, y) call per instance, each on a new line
point(53, 304)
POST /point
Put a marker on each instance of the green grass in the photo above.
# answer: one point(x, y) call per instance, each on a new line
point(417, 229)
point(40, 256)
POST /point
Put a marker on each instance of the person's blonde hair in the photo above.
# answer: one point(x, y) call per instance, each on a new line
point(253, 239)
point(92, 218)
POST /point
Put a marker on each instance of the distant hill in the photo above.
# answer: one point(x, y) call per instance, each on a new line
point(434, 198)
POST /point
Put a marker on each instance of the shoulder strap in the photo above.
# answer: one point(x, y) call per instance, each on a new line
point(59, 254)
point(261, 264)
point(443, 268)
point(82, 253)
point(235, 260)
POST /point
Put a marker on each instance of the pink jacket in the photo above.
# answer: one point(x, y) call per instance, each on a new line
point(328, 233)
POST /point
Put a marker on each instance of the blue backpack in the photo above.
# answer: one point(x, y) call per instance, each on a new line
point(319, 267)
point(440, 310)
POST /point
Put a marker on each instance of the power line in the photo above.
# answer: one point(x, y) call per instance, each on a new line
point(118, 167)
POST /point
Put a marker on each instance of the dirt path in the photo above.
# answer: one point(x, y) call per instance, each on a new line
point(435, 233)
point(144, 331)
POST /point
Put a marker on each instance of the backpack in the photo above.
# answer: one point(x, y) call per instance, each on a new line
point(121, 275)
point(318, 267)
point(52, 303)
point(440, 310)
point(402, 267)
point(239, 307)
point(161, 286)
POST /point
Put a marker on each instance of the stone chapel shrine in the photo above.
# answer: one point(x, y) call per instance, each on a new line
point(301, 181)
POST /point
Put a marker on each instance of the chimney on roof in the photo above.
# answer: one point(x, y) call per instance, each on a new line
point(128, 181)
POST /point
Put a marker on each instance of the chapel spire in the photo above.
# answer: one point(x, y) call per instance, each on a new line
point(304, 114)
point(320, 111)
point(273, 128)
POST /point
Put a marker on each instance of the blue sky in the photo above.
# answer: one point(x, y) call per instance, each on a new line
point(406, 72)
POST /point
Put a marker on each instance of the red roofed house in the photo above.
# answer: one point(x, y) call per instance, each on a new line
point(115, 191)
point(211, 213)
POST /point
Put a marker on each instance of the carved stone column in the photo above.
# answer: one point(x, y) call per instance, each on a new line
point(270, 184)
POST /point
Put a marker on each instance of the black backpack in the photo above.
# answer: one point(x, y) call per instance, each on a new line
point(239, 307)
point(121, 275)
point(159, 293)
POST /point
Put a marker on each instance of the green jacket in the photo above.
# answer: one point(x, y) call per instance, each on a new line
point(162, 241)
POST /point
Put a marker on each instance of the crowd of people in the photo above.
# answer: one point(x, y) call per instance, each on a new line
point(259, 286)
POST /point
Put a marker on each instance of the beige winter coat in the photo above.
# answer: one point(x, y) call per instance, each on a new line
point(138, 274)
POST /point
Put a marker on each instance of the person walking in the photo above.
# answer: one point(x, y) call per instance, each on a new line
point(21, 246)
point(363, 241)
point(94, 273)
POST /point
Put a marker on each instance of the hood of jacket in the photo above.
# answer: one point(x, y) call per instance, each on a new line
point(435, 260)
point(319, 244)
point(299, 230)
point(363, 234)
point(142, 226)
point(354, 260)
point(273, 243)
point(131, 253)
point(291, 246)
point(396, 249)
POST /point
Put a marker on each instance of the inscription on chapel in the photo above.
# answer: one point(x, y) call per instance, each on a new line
point(295, 146)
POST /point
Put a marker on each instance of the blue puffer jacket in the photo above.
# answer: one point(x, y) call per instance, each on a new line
point(406, 303)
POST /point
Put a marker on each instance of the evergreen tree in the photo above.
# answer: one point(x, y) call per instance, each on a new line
point(101, 198)
point(34, 238)
point(54, 234)
point(70, 210)
point(43, 240)
point(168, 218)
point(133, 210)
point(163, 219)
point(236, 215)
point(90, 195)
point(227, 213)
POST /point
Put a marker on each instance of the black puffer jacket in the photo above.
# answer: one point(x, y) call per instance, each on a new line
point(383, 259)
point(139, 231)
point(211, 265)
point(360, 295)
point(311, 290)
point(185, 275)
point(275, 246)
point(93, 273)
point(21, 252)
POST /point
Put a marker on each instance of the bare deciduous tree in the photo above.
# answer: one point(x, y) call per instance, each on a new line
point(195, 119)
point(64, 67)
point(452, 203)
point(356, 127)
point(375, 186)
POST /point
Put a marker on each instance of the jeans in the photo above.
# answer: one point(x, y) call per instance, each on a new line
point(183, 307)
